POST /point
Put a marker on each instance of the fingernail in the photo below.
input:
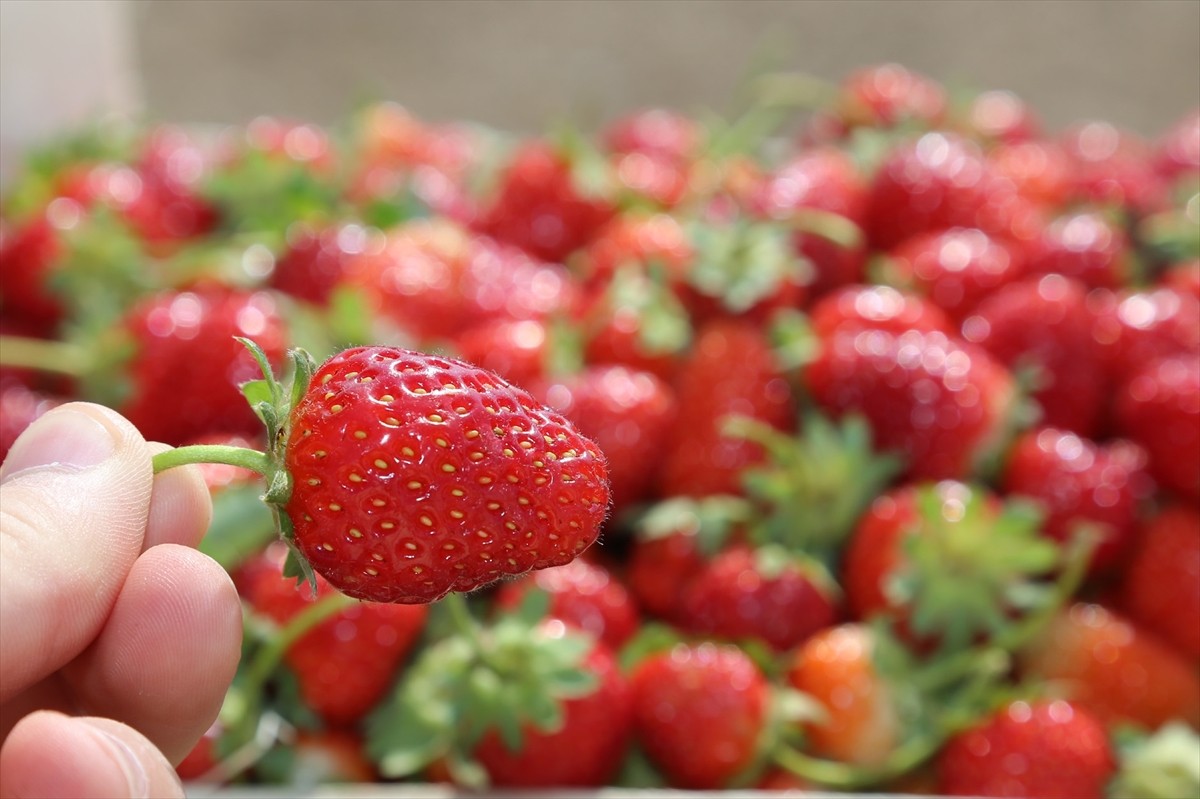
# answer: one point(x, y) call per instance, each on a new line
point(63, 437)
point(135, 773)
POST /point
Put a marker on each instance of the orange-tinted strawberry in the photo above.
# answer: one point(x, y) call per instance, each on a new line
point(1040, 750)
point(1117, 670)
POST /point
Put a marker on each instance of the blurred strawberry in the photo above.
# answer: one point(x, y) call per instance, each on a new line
point(1038, 169)
point(1137, 327)
point(1001, 116)
point(1178, 149)
point(1113, 166)
point(519, 350)
point(1159, 408)
point(318, 259)
point(889, 95)
point(20, 406)
point(1161, 586)
point(1113, 668)
point(1084, 245)
point(876, 307)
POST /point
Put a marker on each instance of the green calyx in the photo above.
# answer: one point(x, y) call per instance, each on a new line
point(507, 677)
point(272, 402)
point(815, 485)
point(711, 520)
point(1161, 765)
point(970, 567)
point(742, 262)
point(663, 324)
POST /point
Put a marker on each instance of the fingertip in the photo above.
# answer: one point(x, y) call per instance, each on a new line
point(180, 505)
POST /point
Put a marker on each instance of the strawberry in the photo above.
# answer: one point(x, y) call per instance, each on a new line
point(1161, 585)
point(955, 268)
point(516, 349)
point(1041, 750)
point(1159, 408)
point(861, 724)
point(1113, 166)
point(1043, 327)
point(656, 244)
point(1001, 116)
point(657, 132)
point(1076, 482)
point(538, 208)
point(202, 759)
point(825, 179)
point(764, 594)
point(699, 712)
point(1183, 277)
point(889, 95)
point(1177, 151)
point(941, 402)
point(1137, 327)
point(521, 702)
point(317, 259)
point(346, 663)
point(627, 413)
point(496, 484)
point(187, 369)
point(1115, 669)
point(20, 406)
point(948, 561)
point(584, 595)
point(1084, 245)
point(730, 370)
point(1039, 170)
point(859, 306)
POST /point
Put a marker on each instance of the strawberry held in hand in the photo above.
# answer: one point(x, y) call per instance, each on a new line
point(403, 476)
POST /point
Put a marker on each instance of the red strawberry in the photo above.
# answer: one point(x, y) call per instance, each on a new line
point(538, 208)
point(1159, 408)
point(699, 712)
point(1138, 327)
point(1115, 669)
point(1043, 750)
point(203, 757)
point(887, 95)
point(1045, 325)
point(516, 349)
point(836, 668)
point(583, 751)
point(584, 595)
point(346, 663)
point(27, 257)
point(187, 368)
point(955, 268)
point(943, 181)
point(1079, 482)
point(657, 132)
point(861, 306)
point(433, 278)
point(1178, 149)
point(1039, 170)
point(1183, 277)
point(731, 370)
point(656, 244)
point(1084, 245)
point(942, 403)
point(826, 179)
point(762, 594)
point(1161, 587)
point(491, 483)
point(627, 413)
point(317, 260)
point(1113, 166)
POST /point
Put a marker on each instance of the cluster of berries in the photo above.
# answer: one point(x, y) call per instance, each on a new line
point(852, 449)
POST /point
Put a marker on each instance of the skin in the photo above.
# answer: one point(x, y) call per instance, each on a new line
point(118, 639)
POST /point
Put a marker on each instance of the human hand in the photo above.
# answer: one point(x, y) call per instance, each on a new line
point(118, 639)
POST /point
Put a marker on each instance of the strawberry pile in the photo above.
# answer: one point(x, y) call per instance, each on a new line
point(884, 417)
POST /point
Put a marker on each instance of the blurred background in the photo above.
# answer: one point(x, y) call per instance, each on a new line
point(522, 65)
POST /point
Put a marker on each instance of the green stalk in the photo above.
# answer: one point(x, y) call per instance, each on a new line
point(250, 459)
point(57, 357)
point(844, 776)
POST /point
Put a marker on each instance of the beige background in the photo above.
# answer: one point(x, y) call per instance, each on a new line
point(521, 64)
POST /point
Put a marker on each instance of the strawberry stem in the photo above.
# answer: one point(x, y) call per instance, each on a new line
point(845, 776)
point(250, 459)
point(464, 622)
point(43, 355)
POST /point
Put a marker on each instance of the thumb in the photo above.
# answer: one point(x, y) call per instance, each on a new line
point(74, 501)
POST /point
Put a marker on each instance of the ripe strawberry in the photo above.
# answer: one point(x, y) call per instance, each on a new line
point(1040, 750)
point(943, 181)
point(1115, 669)
point(1159, 408)
point(656, 244)
point(187, 369)
point(1084, 245)
point(763, 594)
point(627, 413)
point(317, 259)
point(202, 759)
point(1039, 170)
point(493, 483)
point(657, 132)
point(1161, 586)
point(433, 278)
point(1043, 327)
point(955, 268)
point(538, 208)
point(582, 594)
point(1001, 116)
point(28, 255)
point(826, 179)
point(518, 350)
point(941, 402)
point(861, 306)
point(1113, 167)
point(861, 724)
point(730, 370)
point(346, 663)
point(1183, 277)
point(1138, 327)
point(888, 95)
point(585, 749)
point(1077, 482)
point(699, 713)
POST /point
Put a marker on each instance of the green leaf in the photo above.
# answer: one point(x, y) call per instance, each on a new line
point(534, 605)
point(259, 392)
point(241, 526)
